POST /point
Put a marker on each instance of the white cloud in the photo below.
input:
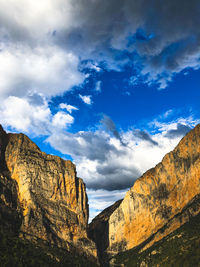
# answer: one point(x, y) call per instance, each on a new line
point(19, 114)
point(86, 99)
point(61, 119)
point(23, 114)
point(30, 58)
point(165, 127)
point(69, 108)
point(46, 70)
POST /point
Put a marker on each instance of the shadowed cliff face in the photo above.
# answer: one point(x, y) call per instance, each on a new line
point(48, 200)
point(155, 205)
point(98, 232)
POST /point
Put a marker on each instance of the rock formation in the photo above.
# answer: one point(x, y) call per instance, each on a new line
point(41, 196)
point(159, 202)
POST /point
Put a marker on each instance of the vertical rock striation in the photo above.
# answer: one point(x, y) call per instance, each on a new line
point(49, 200)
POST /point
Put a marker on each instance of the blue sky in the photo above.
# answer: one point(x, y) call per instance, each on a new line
point(111, 85)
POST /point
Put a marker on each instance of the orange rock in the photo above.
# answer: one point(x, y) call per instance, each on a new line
point(158, 198)
point(52, 200)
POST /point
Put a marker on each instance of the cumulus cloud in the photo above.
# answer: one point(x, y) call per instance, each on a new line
point(33, 115)
point(112, 161)
point(22, 116)
point(46, 70)
point(60, 119)
point(86, 99)
point(30, 60)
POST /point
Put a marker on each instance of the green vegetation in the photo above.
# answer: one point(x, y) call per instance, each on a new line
point(179, 249)
point(15, 252)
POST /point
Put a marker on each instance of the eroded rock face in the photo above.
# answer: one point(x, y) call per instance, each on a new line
point(157, 199)
point(44, 191)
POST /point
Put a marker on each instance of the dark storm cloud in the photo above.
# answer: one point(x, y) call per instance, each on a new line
point(143, 135)
point(120, 177)
point(180, 131)
point(164, 34)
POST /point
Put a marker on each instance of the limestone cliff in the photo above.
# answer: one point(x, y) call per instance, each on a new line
point(160, 201)
point(40, 195)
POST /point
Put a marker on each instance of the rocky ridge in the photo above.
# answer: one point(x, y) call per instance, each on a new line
point(41, 198)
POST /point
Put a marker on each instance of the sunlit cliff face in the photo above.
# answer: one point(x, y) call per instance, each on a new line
point(52, 200)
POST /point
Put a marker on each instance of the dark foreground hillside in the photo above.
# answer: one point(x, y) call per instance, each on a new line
point(179, 249)
point(15, 252)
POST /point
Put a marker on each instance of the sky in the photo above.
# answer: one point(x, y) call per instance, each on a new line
point(111, 85)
